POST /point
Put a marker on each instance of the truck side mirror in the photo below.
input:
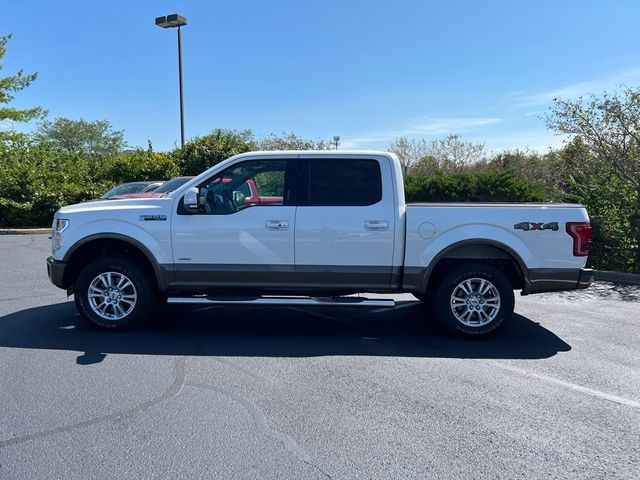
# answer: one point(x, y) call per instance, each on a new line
point(191, 200)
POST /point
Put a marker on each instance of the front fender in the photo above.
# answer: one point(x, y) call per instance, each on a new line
point(155, 242)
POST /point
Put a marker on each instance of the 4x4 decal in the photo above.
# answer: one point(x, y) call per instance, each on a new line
point(526, 226)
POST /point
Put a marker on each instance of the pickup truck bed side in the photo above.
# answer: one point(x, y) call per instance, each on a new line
point(540, 255)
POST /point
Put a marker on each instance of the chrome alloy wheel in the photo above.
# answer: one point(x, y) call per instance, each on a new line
point(112, 295)
point(475, 302)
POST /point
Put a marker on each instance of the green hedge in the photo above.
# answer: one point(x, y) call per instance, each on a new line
point(138, 165)
point(472, 187)
point(36, 180)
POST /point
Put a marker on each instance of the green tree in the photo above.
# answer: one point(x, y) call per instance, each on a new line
point(291, 141)
point(95, 139)
point(201, 153)
point(559, 169)
point(544, 170)
point(609, 125)
point(14, 83)
point(609, 200)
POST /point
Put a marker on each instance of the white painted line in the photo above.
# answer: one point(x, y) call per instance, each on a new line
point(579, 388)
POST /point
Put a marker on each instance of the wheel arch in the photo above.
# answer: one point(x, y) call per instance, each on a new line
point(477, 250)
point(104, 244)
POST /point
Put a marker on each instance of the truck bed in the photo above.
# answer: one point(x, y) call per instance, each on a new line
point(534, 231)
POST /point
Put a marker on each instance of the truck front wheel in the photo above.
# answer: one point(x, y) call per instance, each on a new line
point(475, 300)
point(114, 293)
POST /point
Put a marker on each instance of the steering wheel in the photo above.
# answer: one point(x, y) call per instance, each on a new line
point(220, 202)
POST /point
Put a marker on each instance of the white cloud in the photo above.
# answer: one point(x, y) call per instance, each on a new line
point(527, 104)
point(595, 86)
point(538, 140)
point(420, 127)
point(440, 126)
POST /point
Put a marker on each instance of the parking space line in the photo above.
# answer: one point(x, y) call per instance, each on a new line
point(579, 388)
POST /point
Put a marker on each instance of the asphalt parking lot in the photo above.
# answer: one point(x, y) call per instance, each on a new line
point(223, 392)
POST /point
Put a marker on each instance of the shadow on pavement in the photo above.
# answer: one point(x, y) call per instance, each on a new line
point(404, 331)
point(602, 291)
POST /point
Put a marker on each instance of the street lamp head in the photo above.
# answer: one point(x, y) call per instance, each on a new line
point(170, 21)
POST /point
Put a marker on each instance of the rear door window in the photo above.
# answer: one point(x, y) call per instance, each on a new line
point(344, 182)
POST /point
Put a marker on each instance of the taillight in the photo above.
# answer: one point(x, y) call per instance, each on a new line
point(582, 234)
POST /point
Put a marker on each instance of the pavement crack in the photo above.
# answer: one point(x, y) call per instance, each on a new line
point(199, 350)
point(173, 390)
point(30, 243)
point(262, 425)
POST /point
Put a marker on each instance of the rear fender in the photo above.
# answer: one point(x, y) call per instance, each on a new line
point(426, 258)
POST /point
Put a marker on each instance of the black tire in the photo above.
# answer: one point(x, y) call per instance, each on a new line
point(146, 296)
point(496, 318)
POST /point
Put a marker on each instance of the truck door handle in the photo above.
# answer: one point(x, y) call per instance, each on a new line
point(276, 225)
point(376, 225)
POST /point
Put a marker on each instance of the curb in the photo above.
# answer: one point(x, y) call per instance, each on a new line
point(24, 231)
point(619, 277)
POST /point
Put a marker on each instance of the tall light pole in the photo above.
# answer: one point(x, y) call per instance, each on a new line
point(172, 21)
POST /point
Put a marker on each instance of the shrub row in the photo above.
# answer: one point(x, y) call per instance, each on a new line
point(472, 187)
point(36, 181)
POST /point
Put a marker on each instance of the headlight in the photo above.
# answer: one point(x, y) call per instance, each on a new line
point(61, 225)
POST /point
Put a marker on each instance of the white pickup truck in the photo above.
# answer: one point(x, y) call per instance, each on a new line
point(313, 227)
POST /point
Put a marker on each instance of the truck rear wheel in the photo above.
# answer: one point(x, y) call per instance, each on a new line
point(114, 293)
point(475, 300)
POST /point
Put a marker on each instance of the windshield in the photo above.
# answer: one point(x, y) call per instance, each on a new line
point(125, 188)
point(171, 185)
point(151, 187)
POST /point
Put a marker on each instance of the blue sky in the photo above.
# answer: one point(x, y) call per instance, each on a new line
point(365, 70)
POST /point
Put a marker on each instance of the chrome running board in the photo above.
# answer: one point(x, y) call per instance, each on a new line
point(317, 301)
